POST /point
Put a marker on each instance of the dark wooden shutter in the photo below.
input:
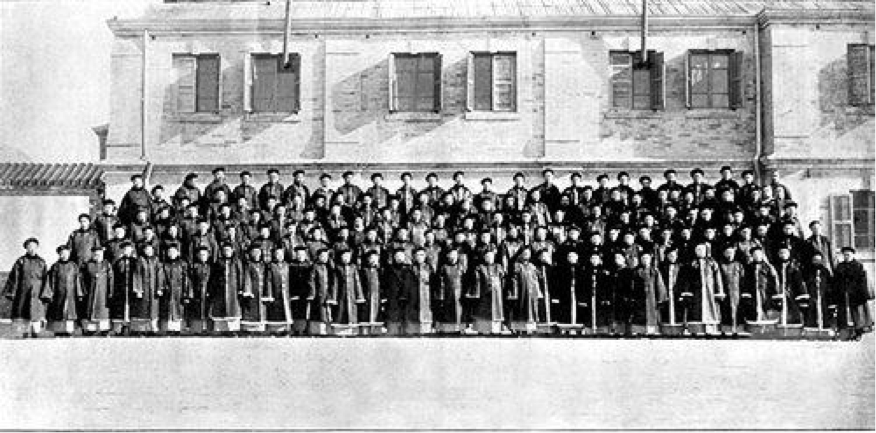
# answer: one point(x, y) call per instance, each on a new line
point(483, 82)
point(287, 84)
point(264, 83)
point(208, 83)
point(859, 74)
point(437, 94)
point(186, 71)
point(658, 72)
point(393, 87)
point(737, 80)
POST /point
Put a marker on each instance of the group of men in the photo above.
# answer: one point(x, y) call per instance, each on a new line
point(608, 259)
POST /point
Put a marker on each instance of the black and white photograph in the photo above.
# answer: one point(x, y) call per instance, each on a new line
point(437, 215)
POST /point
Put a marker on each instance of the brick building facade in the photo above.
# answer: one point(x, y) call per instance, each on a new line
point(495, 86)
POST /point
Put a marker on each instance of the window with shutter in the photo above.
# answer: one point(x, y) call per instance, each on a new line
point(737, 80)
point(621, 79)
point(863, 219)
point(275, 86)
point(658, 86)
point(709, 79)
point(415, 82)
point(185, 67)
point(208, 83)
point(841, 220)
point(860, 73)
point(493, 82)
point(636, 84)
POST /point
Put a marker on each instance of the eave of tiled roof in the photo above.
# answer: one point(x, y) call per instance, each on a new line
point(41, 176)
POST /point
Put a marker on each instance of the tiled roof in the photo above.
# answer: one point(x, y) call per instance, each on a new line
point(26, 176)
point(405, 9)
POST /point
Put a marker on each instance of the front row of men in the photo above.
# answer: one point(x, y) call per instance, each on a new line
point(469, 293)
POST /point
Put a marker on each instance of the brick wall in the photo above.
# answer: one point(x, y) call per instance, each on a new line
point(564, 100)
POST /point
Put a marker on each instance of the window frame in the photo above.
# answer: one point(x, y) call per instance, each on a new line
point(472, 87)
point(729, 53)
point(437, 82)
point(835, 205)
point(196, 59)
point(868, 74)
point(656, 79)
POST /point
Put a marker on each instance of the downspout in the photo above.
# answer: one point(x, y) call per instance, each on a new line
point(143, 98)
point(644, 31)
point(287, 34)
point(758, 114)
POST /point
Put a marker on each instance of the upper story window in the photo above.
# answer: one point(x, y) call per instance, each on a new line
point(860, 64)
point(275, 85)
point(197, 82)
point(852, 216)
point(714, 79)
point(637, 84)
point(415, 82)
point(492, 82)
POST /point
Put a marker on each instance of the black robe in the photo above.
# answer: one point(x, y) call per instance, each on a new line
point(144, 304)
point(62, 289)
point(400, 281)
point(278, 309)
point(252, 309)
point(226, 284)
point(371, 288)
point(299, 288)
point(198, 289)
point(173, 286)
point(97, 281)
point(126, 282)
point(23, 288)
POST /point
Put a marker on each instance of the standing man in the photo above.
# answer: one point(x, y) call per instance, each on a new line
point(188, 190)
point(97, 282)
point(550, 194)
point(173, 285)
point(818, 244)
point(732, 272)
point(702, 289)
point(459, 191)
point(218, 184)
point(196, 298)
point(136, 198)
point(349, 191)
point(433, 190)
point(61, 291)
point(105, 222)
point(518, 194)
point(273, 188)
point(851, 295)
point(226, 285)
point(379, 195)
point(126, 283)
point(407, 195)
point(82, 240)
point(245, 191)
point(297, 188)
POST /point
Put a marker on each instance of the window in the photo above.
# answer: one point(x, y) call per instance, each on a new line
point(415, 82)
point(714, 79)
point(852, 219)
point(860, 64)
point(492, 82)
point(197, 82)
point(635, 84)
point(275, 86)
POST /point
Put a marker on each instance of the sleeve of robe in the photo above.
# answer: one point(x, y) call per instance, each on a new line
point(163, 280)
point(12, 280)
point(716, 277)
point(47, 291)
point(311, 285)
point(79, 290)
point(332, 292)
point(357, 288)
point(268, 294)
point(111, 279)
point(662, 295)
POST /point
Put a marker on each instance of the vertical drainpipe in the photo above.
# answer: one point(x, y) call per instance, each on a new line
point(287, 33)
point(143, 98)
point(644, 31)
point(758, 115)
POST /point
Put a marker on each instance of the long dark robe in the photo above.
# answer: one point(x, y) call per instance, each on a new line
point(371, 287)
point(400, 280)
point(418, 309)
point(174, 284)
point(81, 242)
point(792, 288)
point(252, 308)
point(701, 280)
point(732, 275)
point(126, 282)
point(671, 311)
point(278, 309)
point(135, 198)
point(226, 284)
point(97, 282)
point(525, 292)
point(568, 281)
point(322, 296)
point(299, 288)
point(851, 295)
point(198, 289)
point(348, 288)
point(23, 288)
point(597, 291)
point(817, 279)
point(645, 289)
point(62, 289)
point(144, 305)
point(760, 284)
point(448, 294)
point(488, 289)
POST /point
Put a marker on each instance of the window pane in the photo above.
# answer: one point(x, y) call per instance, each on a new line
point(619, 59)
point(843, 234)
point(720, 61)
point(641, 82)
point(287, 99)
point(719, 81)
point(720, 101)
point(483, 86)
point(621, 80)
point(426, 63)
point(864, 199)
point(504, 97)
point(264, 83)
point(699, 61)
point(699, 101)
point(208, 83)
point(842, 208)
point(425, 84)
point(504, 67)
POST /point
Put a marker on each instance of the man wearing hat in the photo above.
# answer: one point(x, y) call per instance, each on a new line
point(297, 188)
point(126, 284)
point(789, 216)
point(195, 298)
point(349, 191)
point(82, 240)
point(188, 190)
point(575, 190)
point(487, 195)
point(671, 182)
point(697, 186)
point(550, 194)
point(760, 284)
point(218, 184)
point(226, 286)
point(379, 195)
point(602, 193)
point(406, 194)
point(135, 199)
point(649, 195)
point(173, 286)
point(851, 295)
point(273, 188)
point(97, 282)
point(727, 182)
point(61, 293)
point(23, 288)
point(434, 191)
point(702, 288)
point(743, 197)
point(817, 243)
point(299, 288)
point(518, 192)
point(324, 190)
point(245, 191)
point(623, 185)
point(459, 191)
point(105, 222)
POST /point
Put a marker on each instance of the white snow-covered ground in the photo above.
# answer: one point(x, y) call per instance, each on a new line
point(454, 383)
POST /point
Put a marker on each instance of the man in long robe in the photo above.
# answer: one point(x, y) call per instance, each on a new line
point(732, 272)
point(596, 293)
point(23, 288)
point(488, 289)
point(418, 308)
point(196, 299)
point(97, 282)
point(792, 298)
point(226, 285)
point(817, 277)
point(399, 281)
point(136, 198)
point(348, 288)
point(174, 282)
point(851, 295)
point(449, 292)
point(144, 304)
point(278, 312)
point(126, 283)
point(299, 289)
point(525, 292)
point(702, 289)
point(61, 292)
point(254, 293)
point(322, 297)
point(371, 286)
point(82, 240)
point(670, 270)
point(760, 284)
point(645, 290)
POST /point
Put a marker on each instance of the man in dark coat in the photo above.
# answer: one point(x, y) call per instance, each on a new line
point(23, 288)
point(82, 240)
point(567, 287)
point(278, 312)
point(644, 291)
point(173, 285)
point(188, 190)
point(760, 284)
point(449, 292)
point(97, 281)
point(105, 222)
point(702, 289)
point(596, 293)
point(817, 243)
point(851, 295)
point(322, 296)
point(136, 198)
point(732, 272)
point(400, 280)
point(226, 286)
point(273, 188)
point(299, 288)
point(126, 282)
point(817, 277)
point(793, 296)
point(61, 292)
point(195, 299)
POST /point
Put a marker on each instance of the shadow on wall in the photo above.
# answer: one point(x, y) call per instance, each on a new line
point(833, 99)
point(362, 99)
